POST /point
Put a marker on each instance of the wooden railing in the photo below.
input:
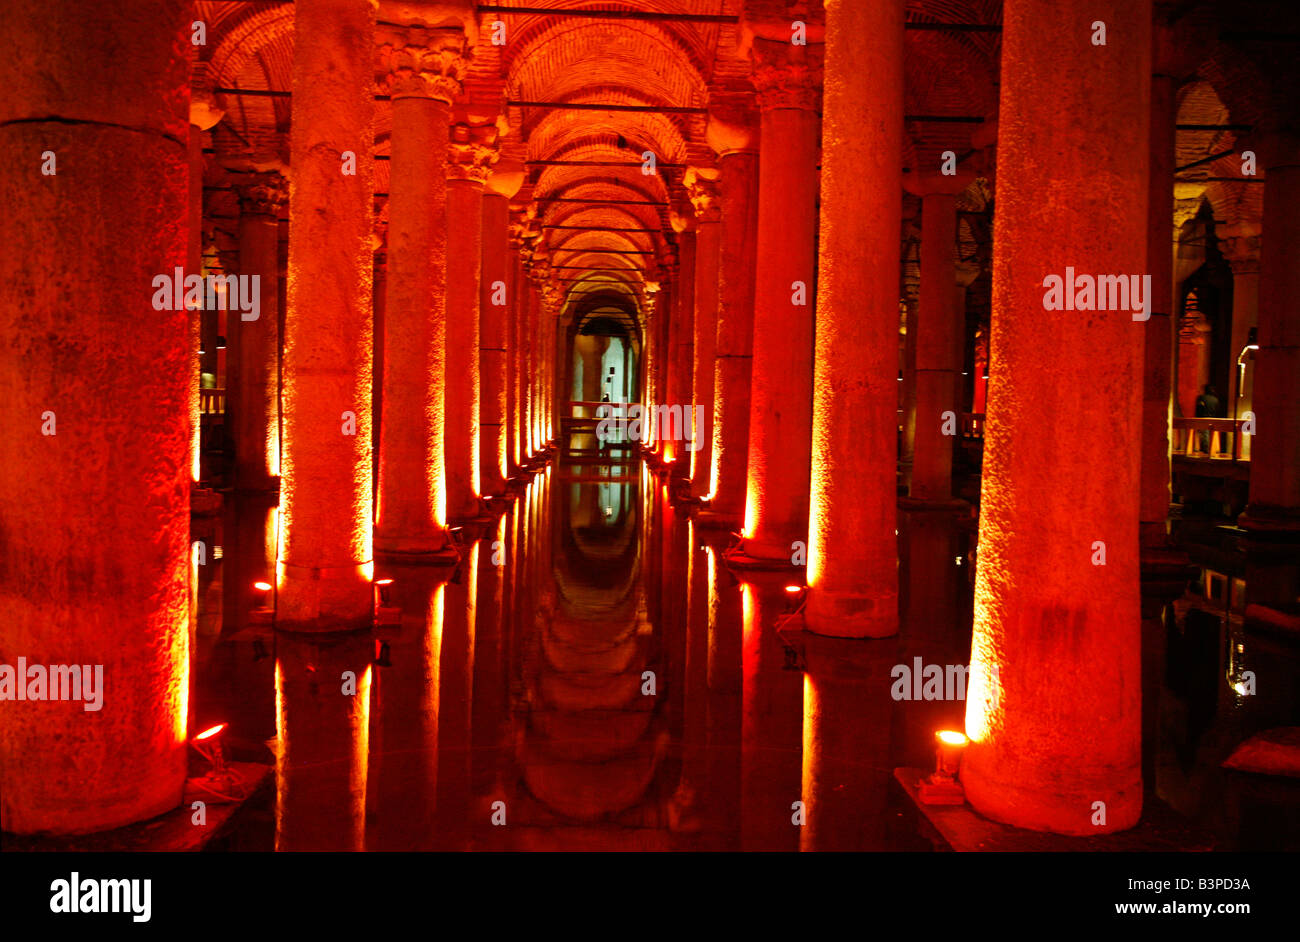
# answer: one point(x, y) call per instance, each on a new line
point(1216, 439)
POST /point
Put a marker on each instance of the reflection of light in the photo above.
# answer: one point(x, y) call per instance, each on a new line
point(1240, 688)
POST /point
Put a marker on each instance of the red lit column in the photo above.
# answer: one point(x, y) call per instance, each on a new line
point(494, 341)
point(681, 381)
point(780, 417)
point(852, 550)
point(702, 187)
point(96, 379)
point(253, 387)
point(1059, 731)
point(470, 158)
point(325, 567)
point(1275, 450)
point(424, 68)
point(733, 140)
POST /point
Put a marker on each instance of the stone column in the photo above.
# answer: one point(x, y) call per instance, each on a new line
point(253, 386)
point(495, 303)
point(1057, 729)
point(1239, 243)
point(702, 187)
point(1275, 451)
point(423, 69)
point(325, 567)
point(681, 379)
point(1193, 359)
point(733, 138)
point(852, 550)
point(780, 416)
point(469, 164)
point(1158, 333)
point(96, 378)
point(938, 363)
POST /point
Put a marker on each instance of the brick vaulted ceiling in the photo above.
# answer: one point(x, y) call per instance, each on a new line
point(684, 57)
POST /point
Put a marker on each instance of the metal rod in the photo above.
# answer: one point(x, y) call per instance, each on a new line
point(1213, 127)
point(589, 106)
point(604, 229)
point(573, 199)
point(1205, 160)
point(648, 15)
point(599, 163)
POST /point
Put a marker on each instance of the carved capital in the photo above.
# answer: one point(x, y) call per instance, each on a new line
point(472, 152)
point(702, 189)
point(261, 194)
point(417, 62)
point(786, 75)
point(1239, 243)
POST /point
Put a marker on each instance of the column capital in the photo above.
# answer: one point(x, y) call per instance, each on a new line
point(786, 75)
point(261, 194)
point(1239, 243)
point(967, 271)
point(205, 107)
point(472, 152)
point(702, 189)
point(732, 129)
point(418, 62)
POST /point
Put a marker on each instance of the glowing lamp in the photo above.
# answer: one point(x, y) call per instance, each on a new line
point(208, 744)
point(383, 585)
point(941, 786)
point(262, 586)
point(794, 589)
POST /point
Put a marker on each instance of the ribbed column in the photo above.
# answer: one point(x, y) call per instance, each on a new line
point(96, 379)
point(1056, 596)
point(1275, 450)
point(733, 138)
point(253, 354)
point(325, 566)
point(852, 568)
point(780, 417)
point(495, 302)
point(469, 162)
point(424, 68)
point(702, 187)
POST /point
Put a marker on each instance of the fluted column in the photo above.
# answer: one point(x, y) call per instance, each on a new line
point(469, 164)
point(1275, 451)
point(852, 568)
point(1056, 592)
point(253, 355)
point(495, 301)
point(94, 480)
point(702, 187)
point(733, 138)
point(780, 417)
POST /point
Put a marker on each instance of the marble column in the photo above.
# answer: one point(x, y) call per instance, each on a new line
point(97, 378)
point(1275, 451)
point(733, 139)
point(326, 564)
point(424, 68)
point(780, 417)
point(469, 164)
point(1053, 706)
point(852, 549)
point(681, 381)
point(494, 337)
point(253, 356)
point(702, 187)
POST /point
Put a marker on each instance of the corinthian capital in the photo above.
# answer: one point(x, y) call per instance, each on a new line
point(472, 152)
point(261, 194)
point(418, 62)
point(702, 190)
point(786, 75)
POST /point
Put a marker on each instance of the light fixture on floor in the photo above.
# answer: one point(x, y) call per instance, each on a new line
point(386, 613)
point(220, 784)
point(941, 786)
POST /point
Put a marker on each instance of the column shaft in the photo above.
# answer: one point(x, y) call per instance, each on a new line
point(464, 251)
point(494, 300)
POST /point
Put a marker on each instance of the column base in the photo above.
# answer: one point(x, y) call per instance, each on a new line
point(835, 614)
point(751, 554)
point(333, 599)
point(1271, 524)
point(416, 551)
point(1052, 807)
point(711, 519)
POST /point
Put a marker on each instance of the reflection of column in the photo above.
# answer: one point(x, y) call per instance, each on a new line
point(852, 550)
point(1275, 452)
point(733, 140)
point(701, 184)
point(780, 414)
point(494, 311)
point(1046, 607)
point(253, 386)
point(94, 485)
point(468, 167)
point(325, 563)
point(456, 686)
point(322, 695)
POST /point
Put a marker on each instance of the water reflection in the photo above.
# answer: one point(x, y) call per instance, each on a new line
point(590, 675)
